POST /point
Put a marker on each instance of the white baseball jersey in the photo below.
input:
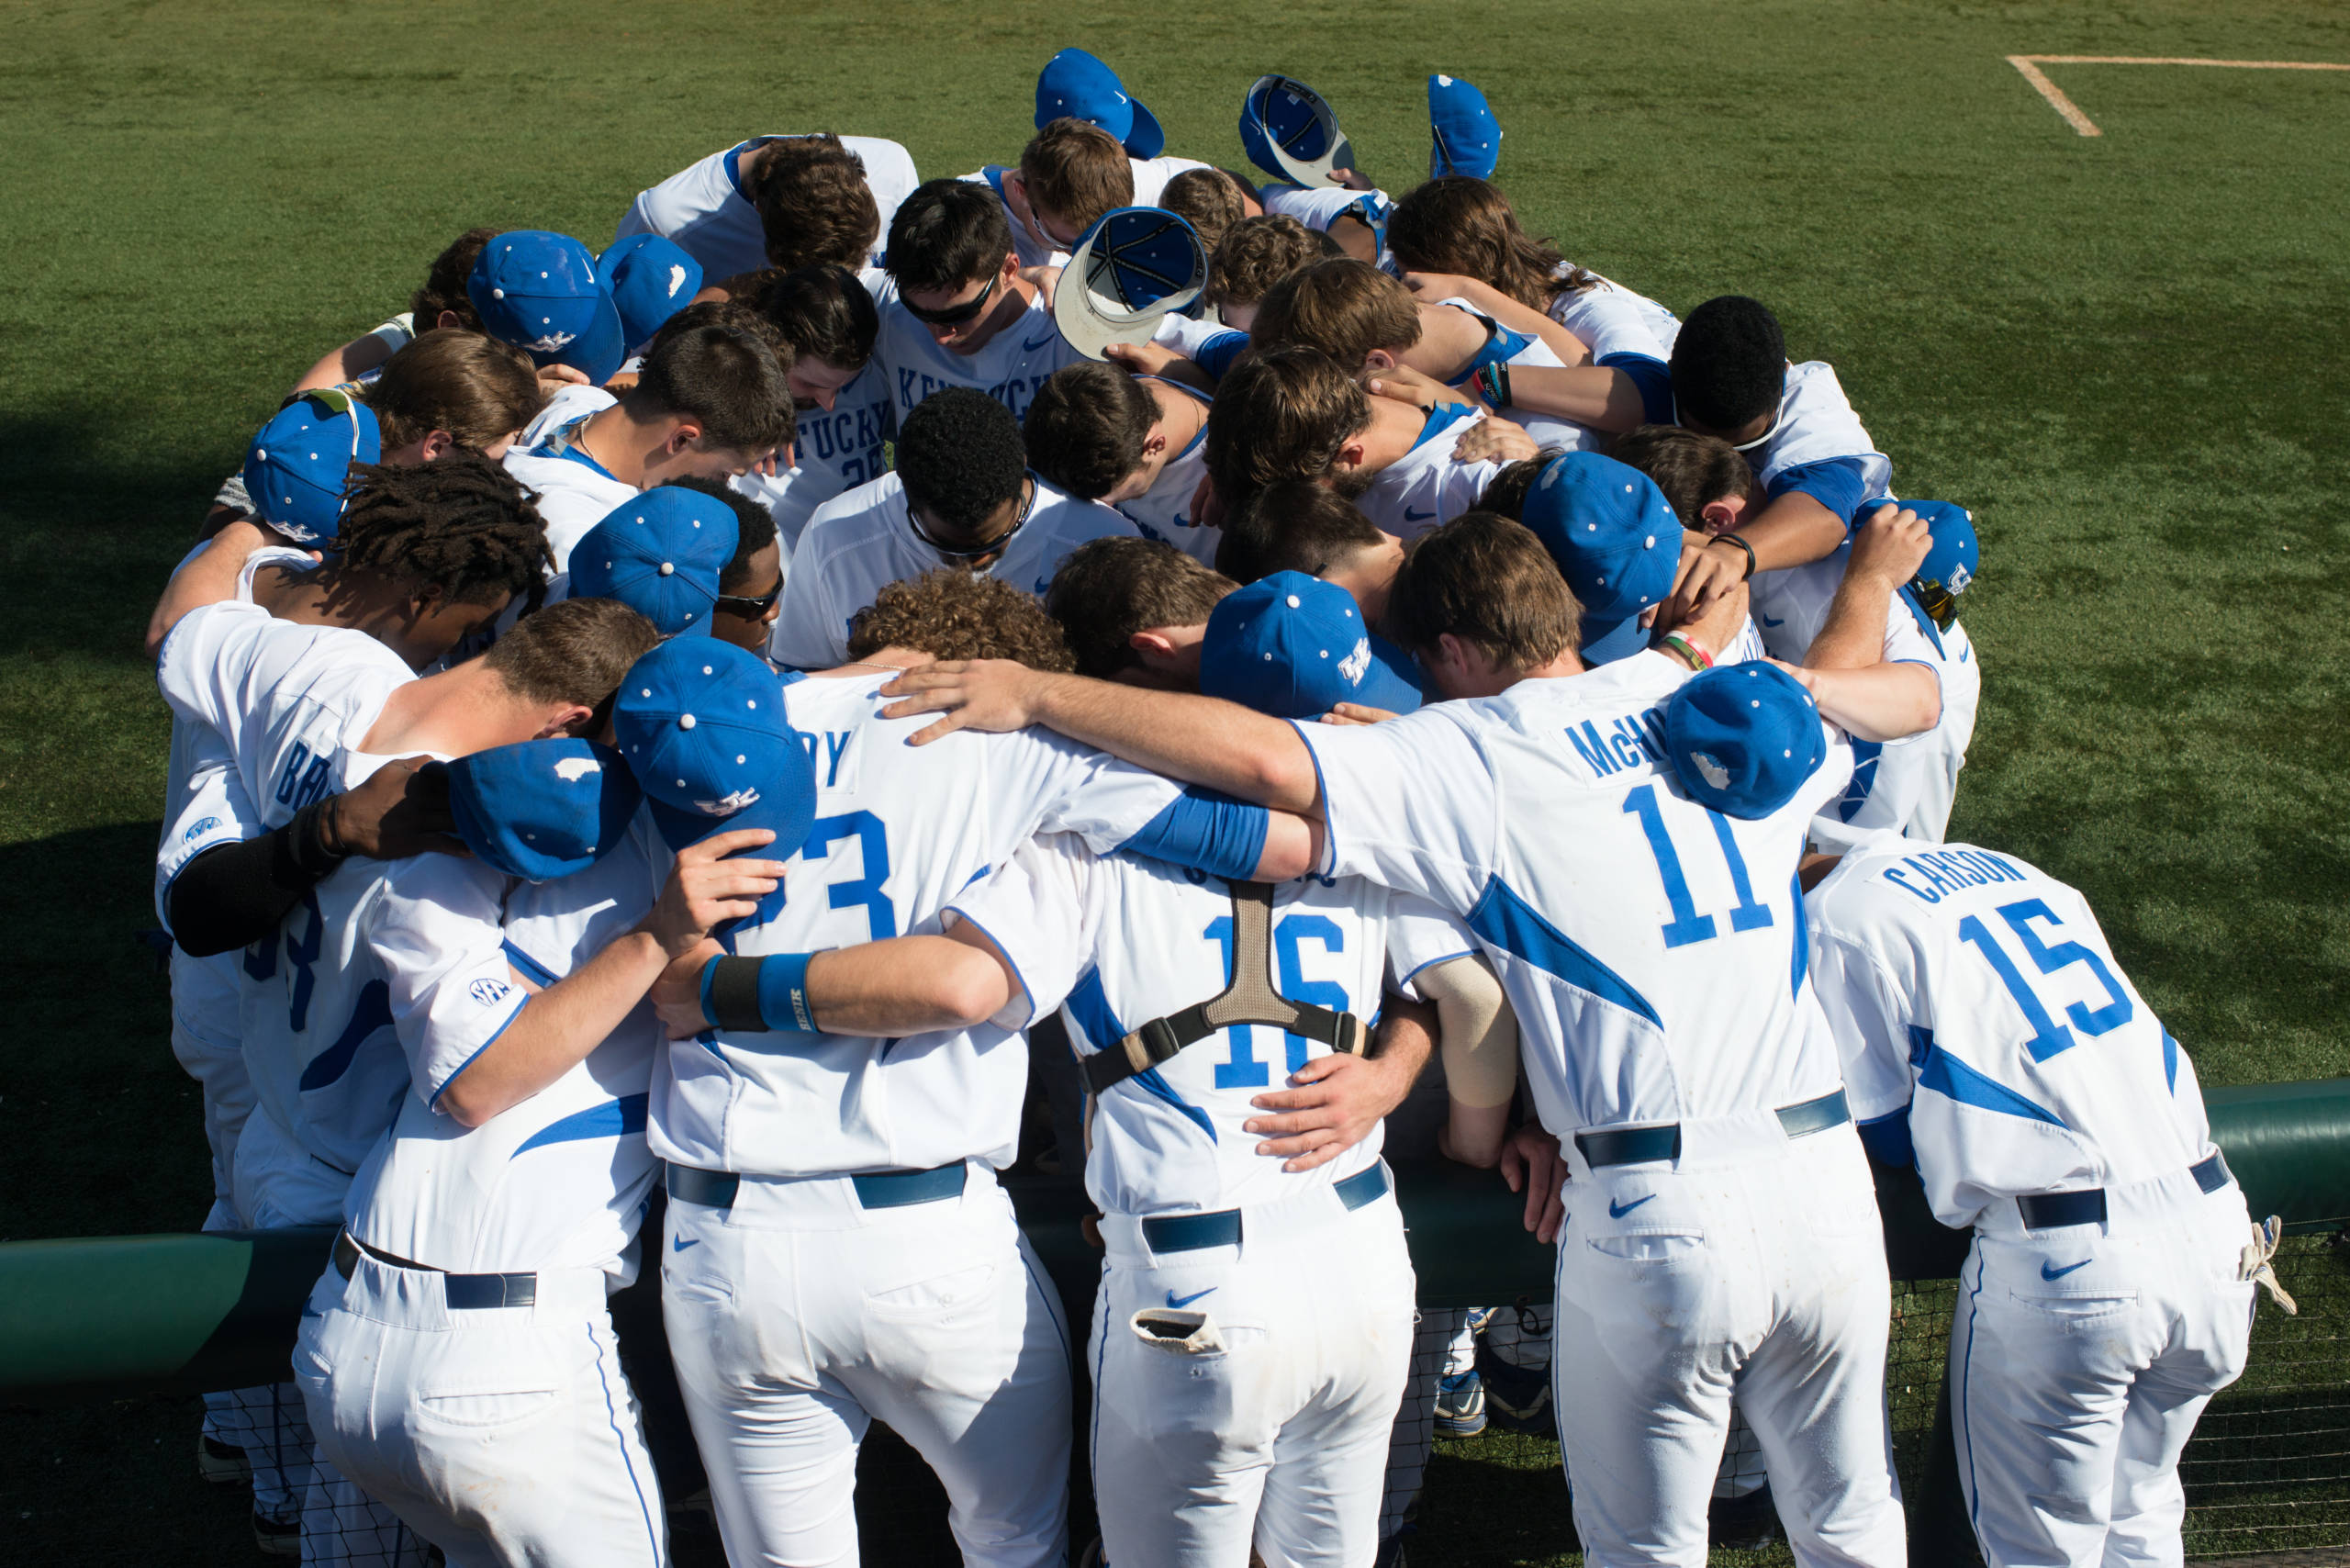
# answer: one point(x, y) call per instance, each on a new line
point(1504, 345)
point(566, 407)
point(1814, 424)
point(1008, 367)
point(1906, 785)
point(1974, 999)
point(834, 450)
point(559, 1180)
point(899, 831)
point(1608, 319)
point(1162, 513)
point(860, 543)
point(1426, 487)
point(1653, 949)
point(571, 490)
point(1317, 210)
point(702, 207)
point(1121, 940)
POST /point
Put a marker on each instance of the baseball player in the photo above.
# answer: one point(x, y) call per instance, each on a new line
point(457, 1355)
point(713, 400)
point(1990, 1037)
point(961, 496)
point(754, 205)
point(1296, 525)
point(955, 308)
point(1723, 1224)
point(1137, 443)
point(839, 1248)
point(1134, 610)
point(840, 393)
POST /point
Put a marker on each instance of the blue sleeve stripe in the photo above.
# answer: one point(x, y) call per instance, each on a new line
point(529, 968)
point(1322, 797)
point(434, 1103)
point(1840, 484)
point(1201, 830)
point(1216, 354)
point(1017, 977)
point(1652, 376)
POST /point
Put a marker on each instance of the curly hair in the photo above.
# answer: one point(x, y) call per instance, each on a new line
point(1209, 200)
point(461, 525)
point(951, 614)
point(813, 202)
point(960, 456)
point(1464, 225)
point(1257, 253)
point(444, 286)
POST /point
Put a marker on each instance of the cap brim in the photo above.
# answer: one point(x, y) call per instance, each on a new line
point(1145, 140)
point(1090, 324)
point(1603, 643)
point(788, 815)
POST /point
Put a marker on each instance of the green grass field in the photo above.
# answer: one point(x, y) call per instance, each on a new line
point(2124, 353)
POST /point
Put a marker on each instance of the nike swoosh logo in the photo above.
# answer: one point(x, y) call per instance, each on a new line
point(1617, 1211)
point(678, 1243)
point(1411, 516)
point(1174, 1300)
point(2048, 1273)
point(1768, 621)
point(1028, 347)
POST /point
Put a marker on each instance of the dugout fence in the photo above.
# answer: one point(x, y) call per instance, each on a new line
point(2268, 1475)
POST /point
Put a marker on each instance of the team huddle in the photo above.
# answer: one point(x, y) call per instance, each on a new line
point(757, 711)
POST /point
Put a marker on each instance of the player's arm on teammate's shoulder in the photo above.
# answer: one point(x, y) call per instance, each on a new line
point(233, 894)
point(207, 578)
point(1511, 313)
point(1200, 740)
point(560, 1025)
point(1158, 359)
point(1793, 529)
point(1846, 670)
point(1332, 1103)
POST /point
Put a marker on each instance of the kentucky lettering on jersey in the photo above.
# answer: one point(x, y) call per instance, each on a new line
point(1008, 367)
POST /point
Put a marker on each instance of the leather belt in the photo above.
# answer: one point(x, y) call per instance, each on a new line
point(463, 1293)
point(875, 1190)
point(1638, 1146)
point(2052, 1211)
point(1221, 1227)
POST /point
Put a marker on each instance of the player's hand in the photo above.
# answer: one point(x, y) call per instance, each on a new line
point(563, 373)
point(1207, 506)
point(1806, 679)
point(1357, 713)
point(1706, 574)
point(1333, 1102)
point(1495, 439)
point(996, 695)
point(1890, 546)
point(705, 888)
point(1716, 625)
point(676, 995)
point(398, 812)
point(1045, 279)
point(1531, 1164)
point(1142, 358)
point(1350, 179)
point(1423, 392)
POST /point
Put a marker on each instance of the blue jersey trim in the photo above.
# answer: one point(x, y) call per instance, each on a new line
point(1017, 977)
point(1203, 831)
point(1840, 484)
point(1216, 354)
point(612, 1414)
point(1946, 1075)
point(1886, 1138)
point(434, 1103)
point(571, 454)
point(1925, 622)
point(529, 968)
point(1865, 757)
point(2170, 1062)
point(734, 168)
point(1514, 927)
point(1802, 960)
point(1442, 418)
point(613, 1118)
point(1654, 379)
point(1322, 795)
point(1422, 969)
point(1501, 346)
point(372, 1011)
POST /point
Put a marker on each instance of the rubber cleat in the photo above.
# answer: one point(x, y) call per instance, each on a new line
point(1460, 1405)
point(278, 1538)
point(222, 1464)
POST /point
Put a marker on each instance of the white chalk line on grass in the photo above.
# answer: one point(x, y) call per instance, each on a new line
point(2029, 66)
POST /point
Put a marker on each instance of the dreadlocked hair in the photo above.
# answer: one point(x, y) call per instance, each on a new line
point(461, 524)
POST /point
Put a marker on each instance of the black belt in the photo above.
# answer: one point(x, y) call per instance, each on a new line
point(463, 1293)
point(1638, 1146)
point(875, 1190)
point(1221, 1227)
point(2051, 1211)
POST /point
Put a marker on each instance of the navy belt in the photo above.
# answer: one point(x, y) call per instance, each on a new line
point(2051, 1211)
point(1189, 1233)
point(464, 1292)
point(875, 1190)
point(1638, 1146)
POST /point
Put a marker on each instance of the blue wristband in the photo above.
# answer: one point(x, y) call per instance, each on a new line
point(709, 974)
point(783, 992)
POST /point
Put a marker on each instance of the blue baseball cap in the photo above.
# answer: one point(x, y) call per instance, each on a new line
point(1134, 268)
point(659, 553)
point(1465, 138)
point(1616, 541)
point(1295, 648)
point(1292, 132)
point(542, 809)
point(297, 470)
point(540, 292)
point(649, 279)
point(702, 725)
point(1075, 85)
point(1742, 738)
point(1950, 565)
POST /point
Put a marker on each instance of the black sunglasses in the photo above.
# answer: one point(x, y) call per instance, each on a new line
point(750, 609)
point(973, 552)
point(956, 315)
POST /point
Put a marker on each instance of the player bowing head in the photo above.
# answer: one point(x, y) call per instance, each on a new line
point(1134, 610)
point(954, 615)
point(1296, 525)
point(1253, 255)
point(660, 553)
point(813, 202)
point(952, 259)
point(1138, 442)
point(453, 388)
point(1480, 605)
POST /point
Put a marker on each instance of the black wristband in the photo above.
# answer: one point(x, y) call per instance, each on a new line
point(734, 996)
point(1734, 539)
point(303, 845)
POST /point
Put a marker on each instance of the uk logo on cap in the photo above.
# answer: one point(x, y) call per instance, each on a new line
point(539, 291)
point(702, 725)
